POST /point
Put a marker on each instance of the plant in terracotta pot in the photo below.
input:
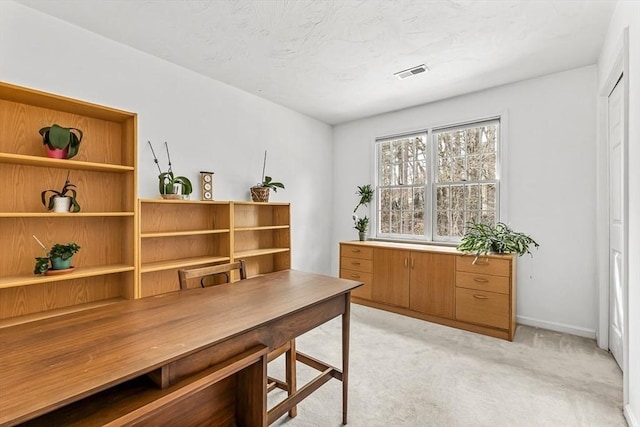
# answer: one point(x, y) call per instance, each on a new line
point(169, 185)
point(260, 191)
point(61, 201)
point(61, 142)
point(58, 258)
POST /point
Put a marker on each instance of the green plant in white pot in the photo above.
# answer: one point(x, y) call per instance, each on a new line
point(481, 239)
point(169, 185)
point(61, 201)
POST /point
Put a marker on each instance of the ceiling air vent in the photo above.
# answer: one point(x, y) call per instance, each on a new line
point(411, 71)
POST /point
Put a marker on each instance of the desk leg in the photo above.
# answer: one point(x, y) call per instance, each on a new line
point(345, 355)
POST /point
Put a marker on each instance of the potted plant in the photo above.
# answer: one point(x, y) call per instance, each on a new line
point(365, 192)
point(366, 196)
point(61, 201)
point(58, 258)
point(260, 191)
point(61, 142)
point(169, 185)
point(481, 239)
point(361, 225)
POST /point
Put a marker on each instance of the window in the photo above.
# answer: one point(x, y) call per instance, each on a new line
point(431, 184)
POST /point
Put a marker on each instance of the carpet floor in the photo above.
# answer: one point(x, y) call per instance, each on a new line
point(407, 372)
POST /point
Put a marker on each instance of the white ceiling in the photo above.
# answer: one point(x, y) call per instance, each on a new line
point(334, 59)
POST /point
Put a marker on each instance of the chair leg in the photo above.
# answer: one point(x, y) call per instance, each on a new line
point(290, 366)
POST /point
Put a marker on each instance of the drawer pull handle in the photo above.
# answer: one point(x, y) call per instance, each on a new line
point(355, 251)
point(480, 279)
point(355, 263)
point(480, 296)
point(485, 262)
point(355, 276)
point(406, 262)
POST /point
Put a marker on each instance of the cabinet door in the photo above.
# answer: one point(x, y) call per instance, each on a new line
point(432, 283)
point(391, 276)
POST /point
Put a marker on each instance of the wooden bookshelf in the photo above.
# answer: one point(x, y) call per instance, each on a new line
point(261, 236)
point(104, 172)
point(176, 234)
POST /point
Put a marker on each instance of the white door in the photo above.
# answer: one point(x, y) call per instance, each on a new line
point(617, 196)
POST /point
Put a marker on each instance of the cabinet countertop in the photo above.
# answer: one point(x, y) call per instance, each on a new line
point(419, 247)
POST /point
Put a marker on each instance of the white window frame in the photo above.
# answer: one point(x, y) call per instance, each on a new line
point(431, 187)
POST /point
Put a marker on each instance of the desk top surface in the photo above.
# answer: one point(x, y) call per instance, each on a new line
point(50, 362)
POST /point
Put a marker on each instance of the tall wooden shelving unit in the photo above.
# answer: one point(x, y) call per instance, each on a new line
point(106, 228)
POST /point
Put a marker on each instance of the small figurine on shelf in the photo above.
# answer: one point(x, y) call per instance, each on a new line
point(169, 185)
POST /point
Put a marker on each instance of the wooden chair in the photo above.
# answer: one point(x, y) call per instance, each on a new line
point(288, 349)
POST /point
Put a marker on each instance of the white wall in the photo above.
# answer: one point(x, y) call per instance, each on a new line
point(550, 193)
point(209, 125)
point(627, 15)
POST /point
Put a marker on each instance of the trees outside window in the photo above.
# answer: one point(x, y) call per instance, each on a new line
point(431, 184)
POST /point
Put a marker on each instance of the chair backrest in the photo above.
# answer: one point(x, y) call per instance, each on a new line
point(203, 272)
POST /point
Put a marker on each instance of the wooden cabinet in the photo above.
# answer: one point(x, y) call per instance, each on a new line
point(421, 281)
point(484, 292)
point(432, 283)
point(391, 277)
point(437, 284)
point(262, 236)
point(104, 172)
point(176, 234)
point(356, 263)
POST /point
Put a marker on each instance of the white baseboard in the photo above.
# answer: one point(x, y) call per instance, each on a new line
point(631, 419)
point(558, 327)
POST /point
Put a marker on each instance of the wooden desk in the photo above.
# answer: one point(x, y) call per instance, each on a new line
point(205, 350)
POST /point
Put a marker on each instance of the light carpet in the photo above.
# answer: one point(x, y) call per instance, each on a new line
point(407, 372)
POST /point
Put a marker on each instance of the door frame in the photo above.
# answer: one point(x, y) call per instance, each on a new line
point(619, 67)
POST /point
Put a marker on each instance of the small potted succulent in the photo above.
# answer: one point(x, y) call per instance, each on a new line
point(58, 258)
point(61, 201)
point(260, 191)
point(169, 185)
point(61, 142)
point(481, 239)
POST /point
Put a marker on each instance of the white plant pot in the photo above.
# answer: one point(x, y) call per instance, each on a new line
point(61, 204)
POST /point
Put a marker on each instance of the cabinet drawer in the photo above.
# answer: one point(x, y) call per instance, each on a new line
point(484, 308)
point(358, 264)
point(482, 282)
point(354, 251)
point(483, 265)
point(363, 291)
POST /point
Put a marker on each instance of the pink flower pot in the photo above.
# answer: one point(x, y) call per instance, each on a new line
point(56, 153)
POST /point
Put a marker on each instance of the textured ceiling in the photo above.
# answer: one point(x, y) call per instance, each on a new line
point(334, 60)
